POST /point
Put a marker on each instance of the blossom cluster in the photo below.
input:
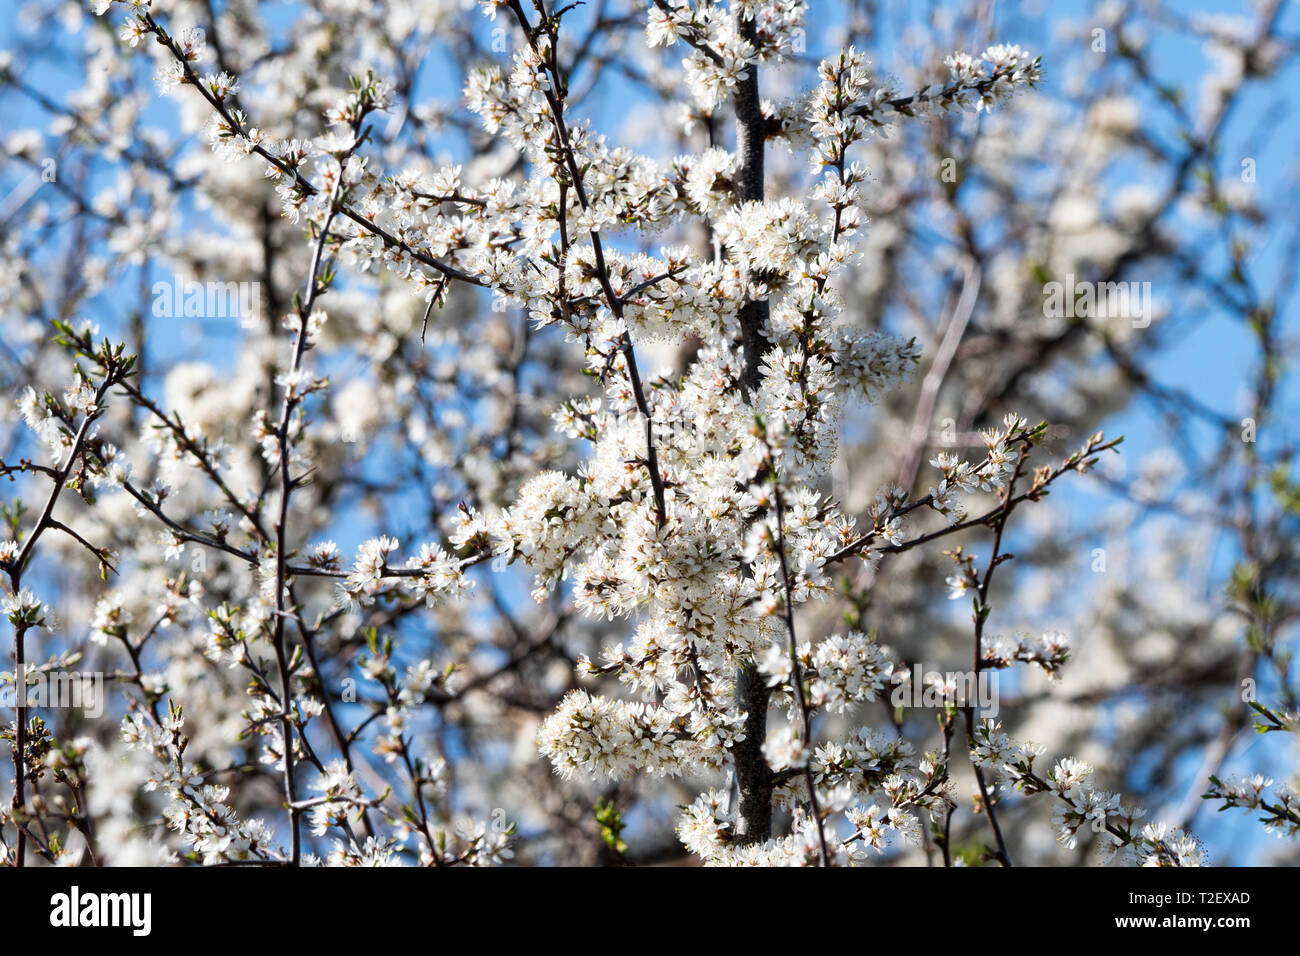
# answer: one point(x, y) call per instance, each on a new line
point(1082, 807)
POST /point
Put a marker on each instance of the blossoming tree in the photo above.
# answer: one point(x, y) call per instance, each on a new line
point(561, 373)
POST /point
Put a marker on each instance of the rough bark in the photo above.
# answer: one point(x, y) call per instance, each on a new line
point(750, 136)
point(753, 776)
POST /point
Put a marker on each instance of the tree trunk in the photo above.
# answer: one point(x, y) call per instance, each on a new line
point(753, 776)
